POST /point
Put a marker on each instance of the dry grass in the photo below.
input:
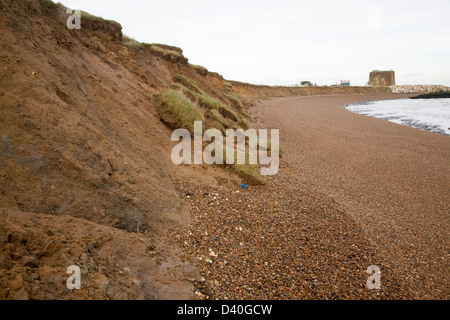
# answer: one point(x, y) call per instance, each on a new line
point(188, 83)
point(177, 110)
point(267, 144)
point(219, 118)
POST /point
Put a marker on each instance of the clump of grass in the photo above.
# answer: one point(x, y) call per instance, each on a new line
point(178, 111)
point(201, 98)
point(268, 145)
point(209, 102)
point(228, 113)
point(191, 95)
point(248, 172)
point(236, 102)
point(245, 113)
point(188, 83)
point(219, 118)
point(221, 127)
point(131, 43)
point(168, 47)
point(228, 85)
point(434, 95)
point(164, 52)
point(245, 124)
point(201, 70)
point(87, 16)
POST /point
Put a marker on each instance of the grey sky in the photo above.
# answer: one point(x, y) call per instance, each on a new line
point(284, 42)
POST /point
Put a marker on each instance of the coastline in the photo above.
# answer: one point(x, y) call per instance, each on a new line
point(423, 114)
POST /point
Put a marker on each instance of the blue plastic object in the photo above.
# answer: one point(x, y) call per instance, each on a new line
point(243, 186)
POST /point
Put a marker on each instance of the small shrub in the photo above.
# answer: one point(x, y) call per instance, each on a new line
point(219, 118)
point(188, 83)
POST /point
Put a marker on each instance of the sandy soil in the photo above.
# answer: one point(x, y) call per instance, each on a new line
point(353, 191)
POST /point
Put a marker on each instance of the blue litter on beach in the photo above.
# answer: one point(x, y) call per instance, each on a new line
point(243, 186)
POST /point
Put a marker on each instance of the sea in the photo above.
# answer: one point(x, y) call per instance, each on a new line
point(424, 114)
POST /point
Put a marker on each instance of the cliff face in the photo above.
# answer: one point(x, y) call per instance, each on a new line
point(79, 135)
point(80, 138)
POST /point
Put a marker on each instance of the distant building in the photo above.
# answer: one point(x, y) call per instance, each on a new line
point(345, 83)
point(382, 78)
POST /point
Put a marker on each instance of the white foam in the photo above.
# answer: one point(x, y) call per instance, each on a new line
point(425, 114)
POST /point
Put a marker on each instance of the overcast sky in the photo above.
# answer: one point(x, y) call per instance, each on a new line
point(283, 42)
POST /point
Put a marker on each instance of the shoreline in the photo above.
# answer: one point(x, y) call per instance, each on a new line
point(413, 116)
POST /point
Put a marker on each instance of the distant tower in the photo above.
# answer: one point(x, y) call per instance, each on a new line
point(382, 78)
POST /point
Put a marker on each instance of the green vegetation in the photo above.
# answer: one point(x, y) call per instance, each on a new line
point(167, 47)
point(191, 95)
point(235, 101)
point(228, 113)
point(262, 143)
point(245, 113)
point(131, 43)
point(182, 104)
point(245, 123)
point(192, 91)
point(87, 16)
point(220, 127)
point(434, 95)
point(219, 118)
point(201, 70)
point(177, 110)
point(188, 83)
point(164, 52)
point(248, 172)
point(228, 85)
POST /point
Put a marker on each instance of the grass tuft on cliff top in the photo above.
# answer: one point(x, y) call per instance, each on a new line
point(164, 52)
point(219, 118)
point(88, 16)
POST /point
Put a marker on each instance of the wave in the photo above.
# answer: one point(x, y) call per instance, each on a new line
point(424, 114)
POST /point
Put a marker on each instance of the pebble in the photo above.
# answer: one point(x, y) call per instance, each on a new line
point(284, 252)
